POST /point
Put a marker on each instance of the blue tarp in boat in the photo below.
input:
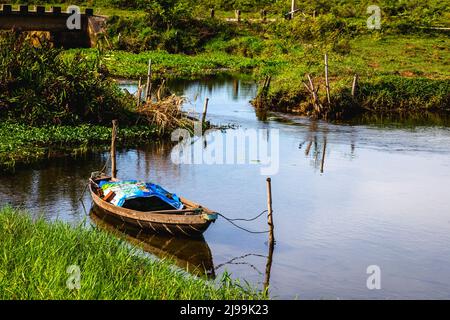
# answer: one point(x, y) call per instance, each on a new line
point(128, 190)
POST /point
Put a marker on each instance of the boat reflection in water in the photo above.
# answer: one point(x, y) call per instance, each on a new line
point(191, 254)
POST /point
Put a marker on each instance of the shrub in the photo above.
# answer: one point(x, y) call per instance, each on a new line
point(38, 85)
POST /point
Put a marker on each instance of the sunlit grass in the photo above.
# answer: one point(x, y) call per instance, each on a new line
point(130, 65)
point(35, 256)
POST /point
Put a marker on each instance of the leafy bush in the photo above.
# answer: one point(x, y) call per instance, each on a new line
point(174, 30)
point(38, 85)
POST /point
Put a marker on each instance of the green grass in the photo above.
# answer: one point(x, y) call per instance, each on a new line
point(408, 55)
point(22, 144)
point(35, 256)
point(122, 64)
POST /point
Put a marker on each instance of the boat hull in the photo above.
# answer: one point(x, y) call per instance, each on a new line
point(190, 254)
point(192, 222)
point(190, 229)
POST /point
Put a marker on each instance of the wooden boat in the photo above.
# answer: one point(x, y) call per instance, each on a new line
point(192, 220)
point(190, 254)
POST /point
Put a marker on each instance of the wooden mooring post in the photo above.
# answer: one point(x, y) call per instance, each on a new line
point(113, 149)
point(270, 212)
point(139, 92)
point(205, 110)
point(268, 266)
point(354, 85)
point(148, 91)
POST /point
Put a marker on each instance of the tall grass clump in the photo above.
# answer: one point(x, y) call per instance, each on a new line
point(35, 256)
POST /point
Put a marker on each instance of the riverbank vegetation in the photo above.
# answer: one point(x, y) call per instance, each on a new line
point(401, 67)
point(53, 104)
point(21, 144)
point(36, 256)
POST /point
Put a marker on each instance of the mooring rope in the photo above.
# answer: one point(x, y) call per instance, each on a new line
point(240, 219)
point(251, 219)
point(106, 163)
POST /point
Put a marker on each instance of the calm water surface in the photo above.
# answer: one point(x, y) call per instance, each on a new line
point(382, 199)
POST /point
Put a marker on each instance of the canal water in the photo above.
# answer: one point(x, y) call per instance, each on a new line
point(351, 202)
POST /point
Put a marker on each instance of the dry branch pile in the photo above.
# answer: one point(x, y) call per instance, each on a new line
point(166, 114)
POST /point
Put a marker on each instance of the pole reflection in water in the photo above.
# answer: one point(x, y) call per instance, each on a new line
point(322, 163)
point(190, 254)
point(240, 260)
point(312, 141)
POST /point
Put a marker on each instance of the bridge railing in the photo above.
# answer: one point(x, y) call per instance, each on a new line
point(7, 9)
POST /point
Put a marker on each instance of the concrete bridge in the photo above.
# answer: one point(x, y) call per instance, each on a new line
point(55, 23)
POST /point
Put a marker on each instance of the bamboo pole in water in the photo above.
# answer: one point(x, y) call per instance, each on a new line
point(139, 93)
point(148, 91)
point(268, 266)
point(327, 83)
point(205, 109)
point(269, 212)
point(113, 149)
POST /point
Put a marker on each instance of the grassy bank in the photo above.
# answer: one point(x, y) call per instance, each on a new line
point(396, 74)
point(36, 254)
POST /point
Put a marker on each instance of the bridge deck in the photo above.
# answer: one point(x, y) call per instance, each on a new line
point(39, 19)
point(55, 22)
